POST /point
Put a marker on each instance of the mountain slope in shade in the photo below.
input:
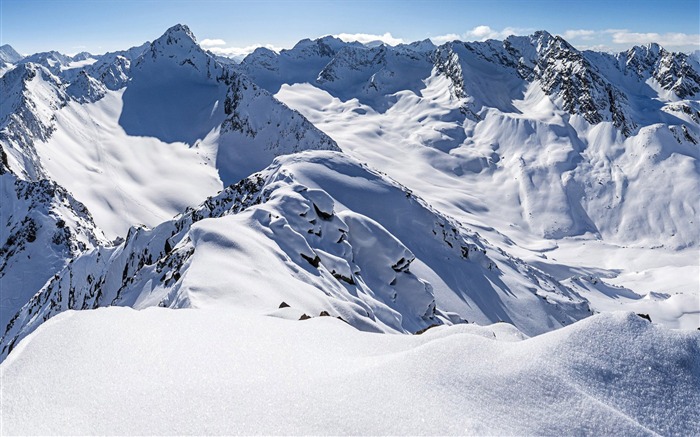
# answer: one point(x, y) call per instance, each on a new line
point(174, 372)
point(331, 236)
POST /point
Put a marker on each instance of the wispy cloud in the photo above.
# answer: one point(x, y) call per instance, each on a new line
point(218, 47)
point(672, 39)
point(583, 34)
point(207, 43)
point(481, 33)
point(441, 39)
point(364, 38)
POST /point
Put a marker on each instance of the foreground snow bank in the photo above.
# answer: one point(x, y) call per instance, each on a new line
point(159, 371)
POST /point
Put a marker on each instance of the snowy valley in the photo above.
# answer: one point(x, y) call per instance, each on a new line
point(494, 237)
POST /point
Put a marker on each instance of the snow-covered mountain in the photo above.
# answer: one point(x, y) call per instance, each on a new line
point(539, 145)
point(103, 139)
point(393, 188)
point(9, 55)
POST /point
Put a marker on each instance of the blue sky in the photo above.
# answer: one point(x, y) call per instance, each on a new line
point(236, 26)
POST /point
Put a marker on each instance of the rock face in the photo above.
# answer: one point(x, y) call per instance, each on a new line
point(44, 228)
point(675, 72)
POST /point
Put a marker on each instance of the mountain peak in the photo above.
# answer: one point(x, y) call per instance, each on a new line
point(176, 39)
point(9, 54)
point(177, 44)
point(542, 34)
point(180, 31)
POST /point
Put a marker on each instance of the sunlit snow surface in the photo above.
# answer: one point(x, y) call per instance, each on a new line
point(159, 371)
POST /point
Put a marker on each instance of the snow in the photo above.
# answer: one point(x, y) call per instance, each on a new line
point(111, 172)
point(9, 55)
point(392, 190)
point(79, 64)
point(158, 371)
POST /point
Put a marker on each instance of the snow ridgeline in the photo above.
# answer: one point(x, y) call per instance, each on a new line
point(316, 233)
point(116, 370)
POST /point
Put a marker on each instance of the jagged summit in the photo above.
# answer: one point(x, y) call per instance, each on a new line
point(425, 45)
point(82, 56)
point(179, 31)
point(176, 41)
point(176, 53)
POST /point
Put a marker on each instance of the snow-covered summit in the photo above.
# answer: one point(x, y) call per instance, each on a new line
point(178, 46)
point(9, 54)
point(675, 72)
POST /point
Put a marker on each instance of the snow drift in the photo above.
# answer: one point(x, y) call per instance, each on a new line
point(121, 371)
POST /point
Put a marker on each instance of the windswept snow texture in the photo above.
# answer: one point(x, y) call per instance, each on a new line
point(119, 371)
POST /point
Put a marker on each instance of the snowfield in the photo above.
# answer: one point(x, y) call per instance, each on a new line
point(163, 372)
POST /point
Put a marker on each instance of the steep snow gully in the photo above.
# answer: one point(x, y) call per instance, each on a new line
point(493, 237)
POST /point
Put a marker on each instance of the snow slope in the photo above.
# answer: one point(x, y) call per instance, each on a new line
point(120, 371)
point(9, 54)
